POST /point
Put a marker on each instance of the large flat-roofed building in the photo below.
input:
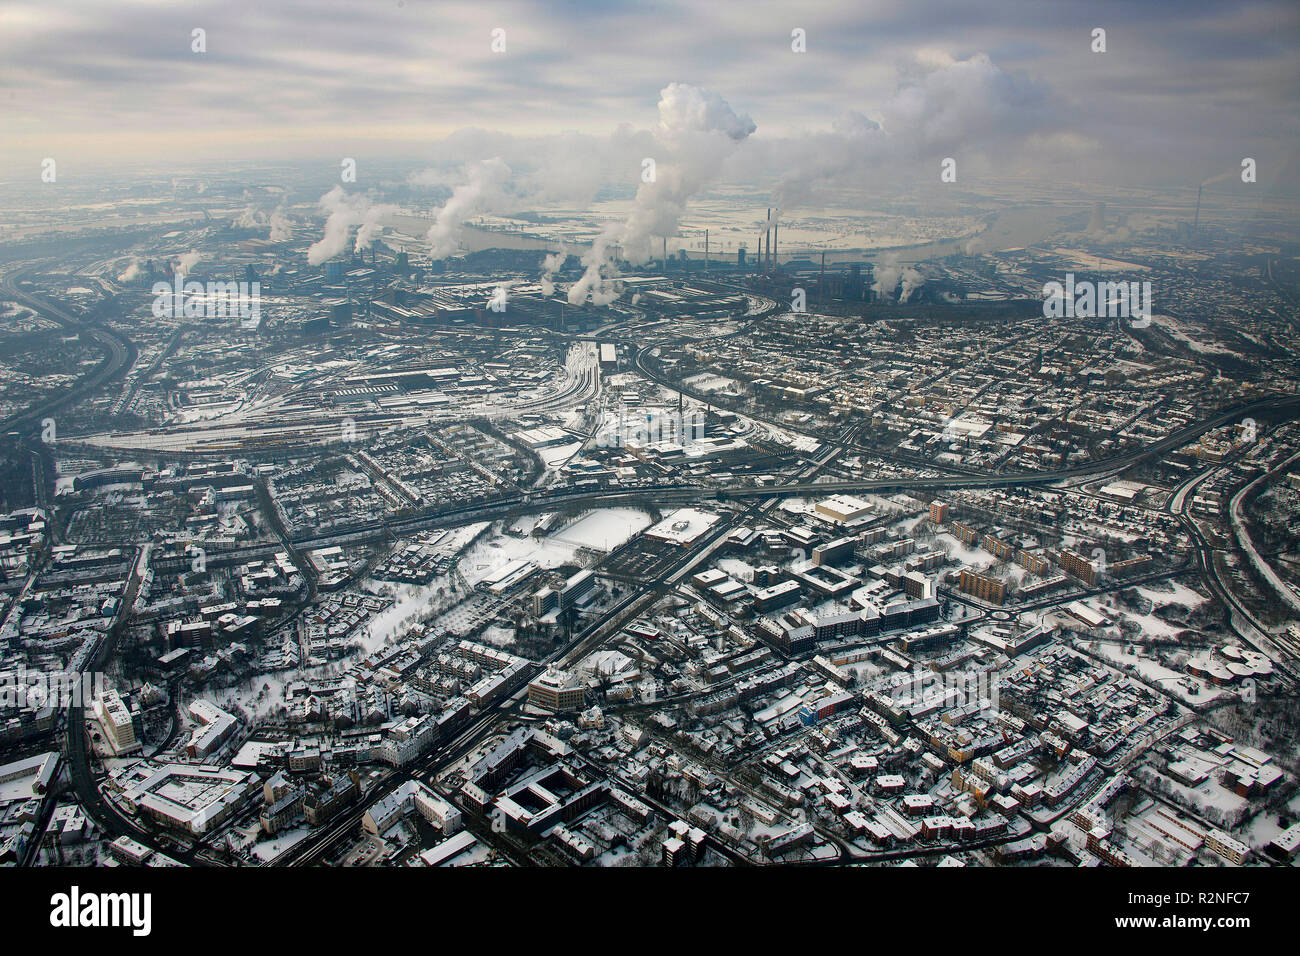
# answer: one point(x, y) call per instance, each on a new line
point(543, 436)
point(1232, 850)
point(826, 580)
point(843, 509)
point(545, 601)
point(1076, 564)
point(577, 587)
point(550, 795)
point(42, 768)
point(834, 552)
point(556, 691)
point(216, 728)
point(445, 852)
point(777, 596)
point(683, 527)
point(571, 592)
point(983, 586)
point(917, 585)
point(188, 797)
point(116, 721)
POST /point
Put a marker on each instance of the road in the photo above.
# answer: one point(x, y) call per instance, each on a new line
point(1242, 620)
point(119, 355)
point(1240, 532)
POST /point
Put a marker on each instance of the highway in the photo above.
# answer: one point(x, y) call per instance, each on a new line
point(509, 506)
point(1242, 621)
point(1265, 570)
point(119, 355)
point(77, 747)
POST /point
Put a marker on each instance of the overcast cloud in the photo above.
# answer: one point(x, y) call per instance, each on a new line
point(1184, 91)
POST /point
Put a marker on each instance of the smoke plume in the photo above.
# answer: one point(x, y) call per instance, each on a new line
point(482, 193)
point(697, 131)
point(187, 262)
point(889, 273)
point(345, 212)
point(552, 264)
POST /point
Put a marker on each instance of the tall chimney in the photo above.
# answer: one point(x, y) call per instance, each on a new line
point(706, 251)
point(767, 266)
point(1197, 221)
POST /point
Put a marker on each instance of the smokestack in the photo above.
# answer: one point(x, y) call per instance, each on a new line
point(821, 280)
point(1197, 221)
point(775, 251)
point(706, 252)
point(665, 253)
point(767, 266)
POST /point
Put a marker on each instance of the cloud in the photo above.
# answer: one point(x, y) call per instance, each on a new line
point(685, 109)
point(942, 106)
point(99, 82)
point(946, 105)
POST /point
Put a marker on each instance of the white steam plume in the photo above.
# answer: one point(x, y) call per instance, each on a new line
point(500, 297)
point(699, 130)
point(889, 273)
point(345, 212)
point(696, 133)
point(552, 264)
point(187, 262)
point(601, 289)
point(483, 192)
point(280, 228)
point(131, 272)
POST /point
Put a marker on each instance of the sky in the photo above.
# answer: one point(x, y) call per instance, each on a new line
point(1183, 91)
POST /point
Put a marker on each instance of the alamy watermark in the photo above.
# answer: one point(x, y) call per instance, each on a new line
point(651, 428)
point(22, 687)
point(1101, 300)
point(949, 689)
point(210, 300)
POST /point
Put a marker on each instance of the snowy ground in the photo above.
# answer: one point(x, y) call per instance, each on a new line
point(601, 530)
point(1178, 594)
point(269, 849)
point(411, 600)
point(1172, 681)
point(974, 557)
